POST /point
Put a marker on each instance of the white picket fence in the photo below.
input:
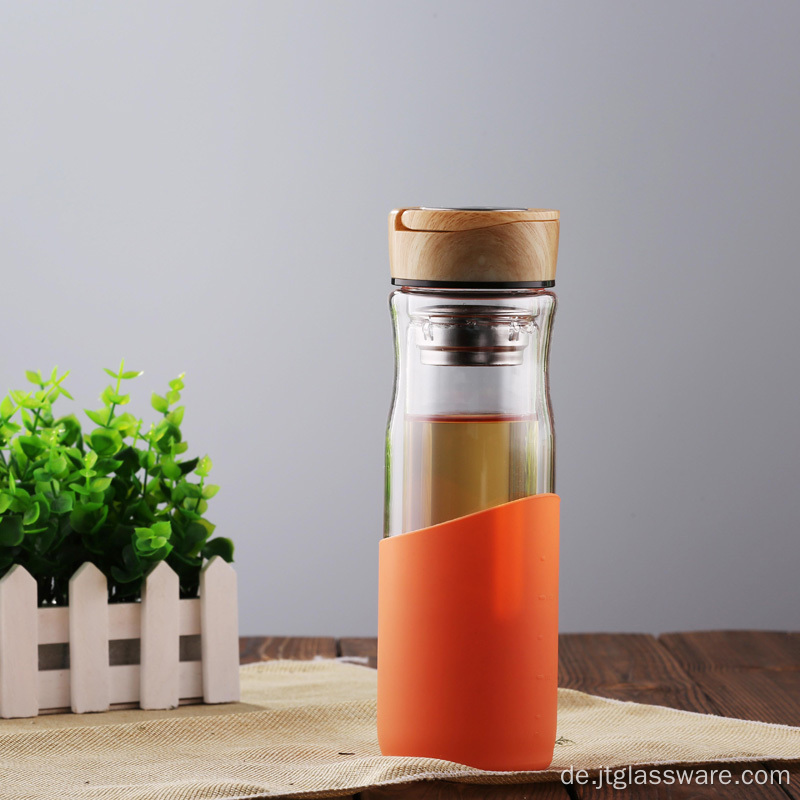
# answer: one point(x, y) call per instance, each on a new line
point(90, 622)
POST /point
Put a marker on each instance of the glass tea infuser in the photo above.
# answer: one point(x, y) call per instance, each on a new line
point(468, 606)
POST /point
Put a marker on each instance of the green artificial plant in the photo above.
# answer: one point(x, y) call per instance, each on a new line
point(118, 495)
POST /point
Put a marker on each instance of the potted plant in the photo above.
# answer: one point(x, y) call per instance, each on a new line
point(114, 502)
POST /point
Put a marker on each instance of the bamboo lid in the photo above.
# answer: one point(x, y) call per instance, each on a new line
point(490, 247)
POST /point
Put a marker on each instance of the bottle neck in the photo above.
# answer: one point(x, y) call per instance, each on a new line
point(471, 352)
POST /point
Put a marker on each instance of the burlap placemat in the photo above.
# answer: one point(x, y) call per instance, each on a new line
point(307, 729)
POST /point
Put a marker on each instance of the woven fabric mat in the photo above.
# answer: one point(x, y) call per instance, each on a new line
point(307, 729)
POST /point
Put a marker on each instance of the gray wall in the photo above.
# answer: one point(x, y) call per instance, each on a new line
point(204, 186)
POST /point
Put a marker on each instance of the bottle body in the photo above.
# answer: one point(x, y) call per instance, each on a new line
point(468, 587)
point(471, 423)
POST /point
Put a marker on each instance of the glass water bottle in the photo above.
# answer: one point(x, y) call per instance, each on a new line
point(467, 655)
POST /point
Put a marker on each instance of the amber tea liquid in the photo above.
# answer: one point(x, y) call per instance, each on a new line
point(457, 465)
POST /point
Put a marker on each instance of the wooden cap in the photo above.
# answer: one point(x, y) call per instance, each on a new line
point(473, 246)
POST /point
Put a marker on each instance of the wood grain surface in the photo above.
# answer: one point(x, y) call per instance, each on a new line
point(360, 648)
point(473, 246)
point(746, 674)
point(300, 648)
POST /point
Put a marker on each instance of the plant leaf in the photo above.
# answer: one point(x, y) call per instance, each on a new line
point(204, 467)
point(63, 503)
point(31, 445)
point(105, 442)
point(194, 539)
point(31, 515)
point(220, 546)
point(7, 407)
point(170, 469)
point(123, 576)
point(56, 464)
point(11, 532)
point(162, 529)
point(159, 403)
point(176, 415)
point(189, 466)
point(98, 417)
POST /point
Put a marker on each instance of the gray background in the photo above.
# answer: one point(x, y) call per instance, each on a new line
point(204, 187)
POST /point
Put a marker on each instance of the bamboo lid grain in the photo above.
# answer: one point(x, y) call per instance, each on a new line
point(487, 247)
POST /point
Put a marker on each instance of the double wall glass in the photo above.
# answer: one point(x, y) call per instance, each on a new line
point(471, 424)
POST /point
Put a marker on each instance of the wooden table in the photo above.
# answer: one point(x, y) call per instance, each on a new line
point(745, 674)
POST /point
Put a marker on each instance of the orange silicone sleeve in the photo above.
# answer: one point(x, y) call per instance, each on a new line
point(468, 638)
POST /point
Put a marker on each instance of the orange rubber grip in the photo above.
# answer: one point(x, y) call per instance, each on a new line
point(468, 638)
